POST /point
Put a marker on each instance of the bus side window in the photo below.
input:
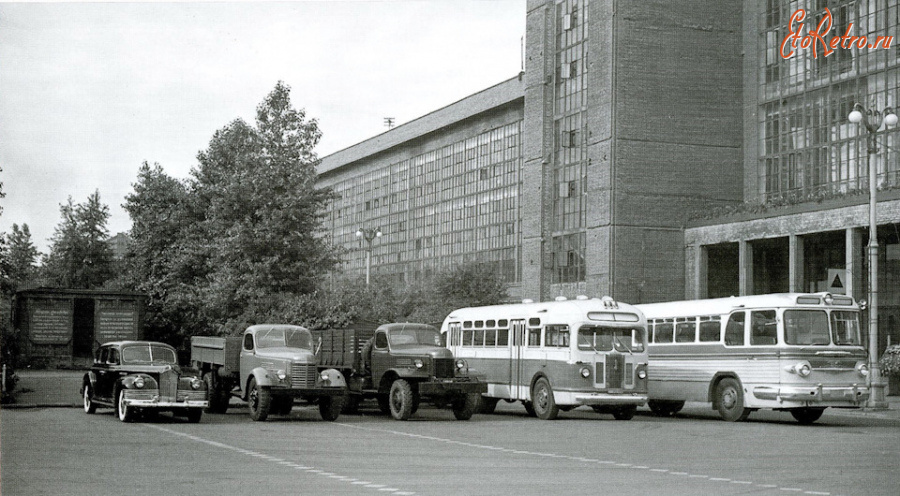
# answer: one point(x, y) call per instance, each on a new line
point(734, 330)
point(686, 332)
point(763, 330)
point(663, 332)
point(710, 331)
point(557, 336)
point(534, 336)
point(502, 337)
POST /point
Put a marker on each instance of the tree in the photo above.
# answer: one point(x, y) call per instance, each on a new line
point(22, 255)
point(244, 231)
point(79, 255)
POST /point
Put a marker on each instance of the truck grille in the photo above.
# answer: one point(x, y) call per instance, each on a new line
point(303, 376)
point(615, 370)
point(168, 385)
point(443, 368)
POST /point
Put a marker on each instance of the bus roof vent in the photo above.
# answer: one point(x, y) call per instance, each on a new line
point(527, 300)
point(581, 297)
point(561, 298)
point(608, 302)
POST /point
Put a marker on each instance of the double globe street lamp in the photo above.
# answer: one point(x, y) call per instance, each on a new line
point(872, 121)
point(369, 235)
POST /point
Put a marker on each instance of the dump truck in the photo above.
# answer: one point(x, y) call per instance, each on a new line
point(400, 365)
point(269, 366)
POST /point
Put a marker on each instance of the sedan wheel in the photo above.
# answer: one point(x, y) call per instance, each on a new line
point(89, 406)
point(126, 413)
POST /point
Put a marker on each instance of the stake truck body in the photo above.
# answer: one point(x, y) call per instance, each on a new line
point(269, 366)
point(400, 365)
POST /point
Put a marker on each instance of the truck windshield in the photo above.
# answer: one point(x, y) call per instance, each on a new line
point(429, 337)
point(598, 338)
point(280, 338)
point(147, 354)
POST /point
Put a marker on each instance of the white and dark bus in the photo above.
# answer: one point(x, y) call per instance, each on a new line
point(792, 352)
point(555, 355)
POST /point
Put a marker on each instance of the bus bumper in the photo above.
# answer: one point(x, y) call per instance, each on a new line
point(827, 396)
point(580, 398)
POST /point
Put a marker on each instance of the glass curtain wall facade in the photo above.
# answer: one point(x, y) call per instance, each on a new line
point(453, 205)
point(808, 149)
point(570, 123)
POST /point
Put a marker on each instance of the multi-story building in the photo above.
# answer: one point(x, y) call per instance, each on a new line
point(651, 151)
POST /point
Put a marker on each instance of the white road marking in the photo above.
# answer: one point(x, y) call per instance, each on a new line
point(312, 470)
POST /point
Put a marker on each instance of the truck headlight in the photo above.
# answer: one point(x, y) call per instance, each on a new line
point(418, 363)
point(461, 364)
point(196, 383)
point(280, 374)
point(138, 382)
point(324, 375)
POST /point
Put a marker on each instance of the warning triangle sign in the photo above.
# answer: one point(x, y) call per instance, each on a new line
point(836, 283)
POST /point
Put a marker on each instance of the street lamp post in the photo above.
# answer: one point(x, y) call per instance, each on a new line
point(369, 235)
point(872, 120)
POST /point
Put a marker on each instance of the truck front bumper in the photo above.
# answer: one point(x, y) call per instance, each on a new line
point(439, 387)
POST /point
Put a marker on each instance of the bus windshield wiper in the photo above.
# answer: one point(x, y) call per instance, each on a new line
point(620, 343)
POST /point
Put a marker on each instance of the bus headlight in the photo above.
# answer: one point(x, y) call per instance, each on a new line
point(803, 369)
point(862, 369)
point(585, 372)
point(642, 373)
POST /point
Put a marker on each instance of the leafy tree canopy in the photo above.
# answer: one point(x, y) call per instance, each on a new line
point(79, 254)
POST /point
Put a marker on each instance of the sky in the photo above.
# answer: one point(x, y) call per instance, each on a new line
point(90, 91)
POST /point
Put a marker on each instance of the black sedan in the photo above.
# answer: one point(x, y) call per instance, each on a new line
point(142, 377)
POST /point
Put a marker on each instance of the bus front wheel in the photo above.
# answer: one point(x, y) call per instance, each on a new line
point(730, 400)
point(807, 416)
point(545, 407)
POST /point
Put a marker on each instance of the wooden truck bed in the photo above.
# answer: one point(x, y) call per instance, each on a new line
point(342, 348)
point(219, 351)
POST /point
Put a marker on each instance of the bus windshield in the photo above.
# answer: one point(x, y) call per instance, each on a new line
point(845, 328)
point(598, 338)
point(413, 336)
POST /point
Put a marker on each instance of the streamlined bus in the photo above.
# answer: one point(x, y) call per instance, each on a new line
point(792, 352)
point(555, 355)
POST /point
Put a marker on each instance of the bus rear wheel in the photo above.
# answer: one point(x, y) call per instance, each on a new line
point(807, 416)
point(545, 407)
point(730, 400)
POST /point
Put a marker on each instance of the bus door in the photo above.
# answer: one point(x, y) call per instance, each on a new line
point(518, 342)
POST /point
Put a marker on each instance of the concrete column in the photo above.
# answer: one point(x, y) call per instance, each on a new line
point(745, 271)
point(700, 273)
point(853, 262)
point(795, 250)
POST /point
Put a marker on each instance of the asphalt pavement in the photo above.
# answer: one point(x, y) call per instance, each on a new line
point(62, 388)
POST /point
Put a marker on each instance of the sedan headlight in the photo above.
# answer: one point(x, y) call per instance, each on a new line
point(138, 382)
point(862, 369)
point(196, 383)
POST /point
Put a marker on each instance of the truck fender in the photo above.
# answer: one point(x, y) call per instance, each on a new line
point(331, 378)
point(262, 378)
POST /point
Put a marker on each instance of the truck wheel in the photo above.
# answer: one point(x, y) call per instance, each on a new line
point(465, 407)
point(730, 400)
point(488, 405)
point(401, 399)
point(330, 407)
point(259, 400)
point(662, 408)
point(193, 414)
point(218, 397)
point(544, 405)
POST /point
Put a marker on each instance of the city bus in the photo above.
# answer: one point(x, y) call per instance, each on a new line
point(555, 355)
point(794, 352)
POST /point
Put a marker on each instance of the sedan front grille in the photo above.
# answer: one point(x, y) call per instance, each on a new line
point(168, 385)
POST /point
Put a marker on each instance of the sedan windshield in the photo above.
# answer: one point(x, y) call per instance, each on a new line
point(290, 338)
point(148, 354)
point(426, 336)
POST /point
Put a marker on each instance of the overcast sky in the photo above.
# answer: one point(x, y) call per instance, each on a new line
point(89, 91)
